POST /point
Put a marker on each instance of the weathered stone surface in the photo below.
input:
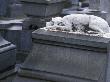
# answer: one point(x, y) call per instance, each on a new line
point(4, 4)
point(42, 8)
point(102, 14)
point(16, 11)
point(43, 1)
point(64, 57)
point(7, 54)
point(105, 7)
point(21, 37)
point(94, 4)
point(74, 2)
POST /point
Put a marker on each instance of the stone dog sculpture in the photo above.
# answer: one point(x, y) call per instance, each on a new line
point(80, 23)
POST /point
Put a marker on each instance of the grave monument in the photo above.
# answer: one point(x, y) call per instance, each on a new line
point(65, 54)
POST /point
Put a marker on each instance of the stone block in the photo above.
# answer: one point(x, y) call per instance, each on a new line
point(64, 57)
point(94, 4)
point(42, 8)
point(43, 1)
point(16, 11)
point(101, 14)
point(7, 54)
point(74, 2)
point(4, 4)
point(21, 37)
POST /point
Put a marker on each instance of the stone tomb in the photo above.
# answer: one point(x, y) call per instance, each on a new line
point(63, 57)
point(42, 8)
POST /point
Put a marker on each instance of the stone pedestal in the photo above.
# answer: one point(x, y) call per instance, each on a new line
point(63, 57)
point(16, 11)
point(42, 8)
point(15, 32)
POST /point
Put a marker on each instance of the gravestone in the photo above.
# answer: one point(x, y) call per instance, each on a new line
point(66, 57)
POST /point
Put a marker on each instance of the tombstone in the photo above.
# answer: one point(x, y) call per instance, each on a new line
point(66, 57)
